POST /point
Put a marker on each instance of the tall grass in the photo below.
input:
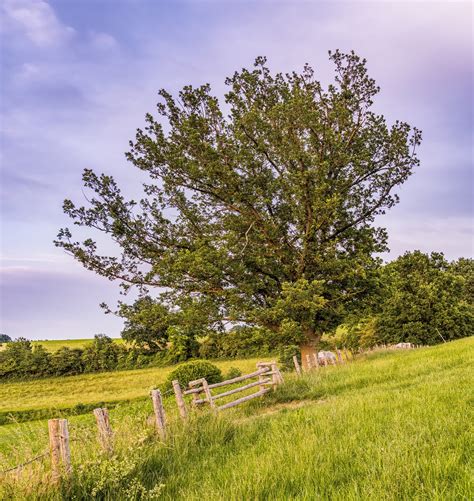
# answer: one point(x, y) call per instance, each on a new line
point(390, 426)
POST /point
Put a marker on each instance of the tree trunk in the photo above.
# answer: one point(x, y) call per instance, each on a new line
point(309, 347)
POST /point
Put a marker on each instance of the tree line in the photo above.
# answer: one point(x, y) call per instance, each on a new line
point(420, 298)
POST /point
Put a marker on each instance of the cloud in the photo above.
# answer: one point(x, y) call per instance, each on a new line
point(73, 96)
point(103, 41)
point(36, 20)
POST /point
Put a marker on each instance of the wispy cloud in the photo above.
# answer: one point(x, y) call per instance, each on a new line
point(77, 81)
point(36, 20)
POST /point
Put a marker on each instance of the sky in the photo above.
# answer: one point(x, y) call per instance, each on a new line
point(78, 76)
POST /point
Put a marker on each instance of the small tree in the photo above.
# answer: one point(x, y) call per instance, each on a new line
point(4, 338)
point(275, 197)
point(146, 324)
point(101, 355)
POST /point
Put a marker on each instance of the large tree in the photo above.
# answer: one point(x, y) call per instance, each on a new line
point(260, 210)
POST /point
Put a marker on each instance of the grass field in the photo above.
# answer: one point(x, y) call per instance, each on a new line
point(55, 344)
point(389, 426)
point(62, 393)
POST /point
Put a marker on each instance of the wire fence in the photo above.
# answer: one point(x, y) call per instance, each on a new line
point(26, 463)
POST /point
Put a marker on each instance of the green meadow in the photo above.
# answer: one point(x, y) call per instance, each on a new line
point(55, 344)
point(388, 426)
point(62, 395)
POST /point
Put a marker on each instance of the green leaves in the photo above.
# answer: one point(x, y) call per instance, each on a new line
point(273, 200)
point(423, 300)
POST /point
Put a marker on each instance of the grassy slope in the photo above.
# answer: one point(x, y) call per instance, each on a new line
point(394, 426)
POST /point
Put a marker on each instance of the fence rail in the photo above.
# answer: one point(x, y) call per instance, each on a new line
point(200, 386)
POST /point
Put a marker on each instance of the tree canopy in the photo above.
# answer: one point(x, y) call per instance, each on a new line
point(4, 338)
point(426, 301)
point(423, 299)
point(260, 209)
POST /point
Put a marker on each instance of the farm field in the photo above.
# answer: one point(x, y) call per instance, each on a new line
point(390, 425)
point(63, 392)
point(55, 344)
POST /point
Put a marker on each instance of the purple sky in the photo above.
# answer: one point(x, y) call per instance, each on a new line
point(77, 77)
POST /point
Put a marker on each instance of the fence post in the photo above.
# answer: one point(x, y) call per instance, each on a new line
point(297, 365)
point(195, 398)
point(274, 376)
point(105, 431)
point(346, 354)
point(64, 446)
point(309, 365)
point(316, 361)
point(59, 448)
point(280, 375)
point(207, 391)
point(261, 386)
point(261, 377)
point(53, 429)
point(160, 419)
point(339, 356)
point(179, 399)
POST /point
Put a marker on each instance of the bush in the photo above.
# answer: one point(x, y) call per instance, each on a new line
point(21, 359)
point(190, 371)
point(209, 347)
point(101, 355)
point(66, 361)
point(182, 345)
point(5, 339)
point(232, 373)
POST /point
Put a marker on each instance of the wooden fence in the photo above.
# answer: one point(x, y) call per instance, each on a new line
point(344, 355)
point(202, 394)
point(267, 377)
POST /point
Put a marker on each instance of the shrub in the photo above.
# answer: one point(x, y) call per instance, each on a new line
point(232, 373)
point(5, 339)
point(21, 360)
point(182, 345)
point(209, 347)
point(190, 371)
point(100, 355)
point(66, 361)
